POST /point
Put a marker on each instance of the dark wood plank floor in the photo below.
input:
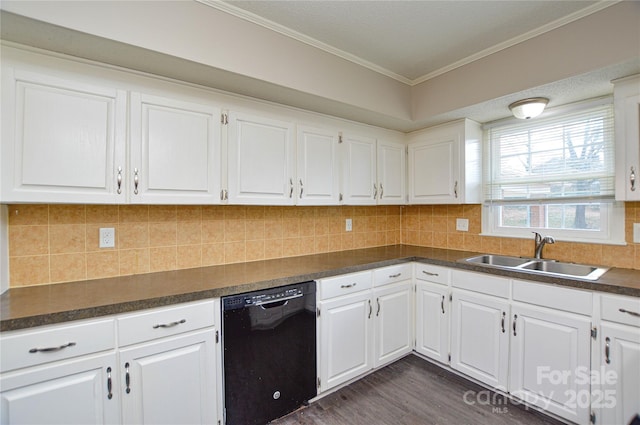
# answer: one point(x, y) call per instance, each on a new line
point(414, 391)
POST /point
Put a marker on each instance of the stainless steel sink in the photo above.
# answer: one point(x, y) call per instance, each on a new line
point(498, 260)
point(533, 265)
point(582, 271)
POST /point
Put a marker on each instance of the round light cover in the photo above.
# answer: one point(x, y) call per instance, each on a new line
point(528, 108)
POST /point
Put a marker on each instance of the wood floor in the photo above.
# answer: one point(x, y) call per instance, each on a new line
point(413, 391)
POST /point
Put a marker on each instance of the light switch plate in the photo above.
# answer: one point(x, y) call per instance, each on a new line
point(462, 224)
point(636, 232)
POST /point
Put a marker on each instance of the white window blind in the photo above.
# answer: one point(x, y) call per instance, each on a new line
point(563, 158)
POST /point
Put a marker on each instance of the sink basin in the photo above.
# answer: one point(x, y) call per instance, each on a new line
point(498, 260)
point(566, 269)
point(532, 265)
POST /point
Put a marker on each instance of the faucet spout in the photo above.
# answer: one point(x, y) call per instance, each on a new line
point(540, 242)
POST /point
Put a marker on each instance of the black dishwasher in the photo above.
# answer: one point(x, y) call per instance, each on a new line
point(269, 346)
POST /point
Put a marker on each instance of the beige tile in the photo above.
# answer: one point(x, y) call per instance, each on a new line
point(107, 214)
point(273, 229)
point(411, 237)
point(67, 238)
point(618, 256)
point(235, 212)
point(347, 240)
point(490, 245)
point(188, 256)
point(189, 232)
point(28, 215)
point(455, 241)
point(291, 247)
point(336, 225)
point(234, 252)
point(273, 213)
point(162, 213)
point(134, 261)
point(68, 267)
point(162, 259)
point(163, 234)
point(307, 245)
point(255, 212)
point(440, 239)
point(103, 264)
point(67, 214)
point(321, 244)
point(335, 243)
point(393, 237)
point(29, 270)
point(212, 231)
point(359, 240)
point(425, 238)
point(586, 253)
point(273, 248)
point(472, 242)
point(212, 254)
point(255, 250)
point(213, 212)
point(133, 235)
point(307, 227)
point(28, 240)
point(189, 213)
point(234, 230)
point(291, 228)
point(134, 213)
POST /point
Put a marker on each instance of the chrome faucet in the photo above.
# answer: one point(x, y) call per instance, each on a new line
point(540, 242)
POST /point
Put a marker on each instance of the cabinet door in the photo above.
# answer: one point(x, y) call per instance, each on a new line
point(434, 170)
point(171, 381)
point(261, 160)
point(345, 338)
point(627, 133)
point(619, 396)
point(432, 321)
point(480, 337)
point(62, 140)
point(391, 173)
point(359, 170)
point(393, 326)
point(318, 169)
point(551, 378)
point(175, 151)
point(80, 391)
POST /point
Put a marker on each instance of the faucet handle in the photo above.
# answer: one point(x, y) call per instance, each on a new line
point(538, 237)
point(549, 239)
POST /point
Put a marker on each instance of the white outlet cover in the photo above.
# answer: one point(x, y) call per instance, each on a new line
point(636, 232)
point(107, 237)
point(348, 225)
point(462, 224)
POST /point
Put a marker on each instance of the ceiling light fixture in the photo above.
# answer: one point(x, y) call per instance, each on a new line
point(528, 108)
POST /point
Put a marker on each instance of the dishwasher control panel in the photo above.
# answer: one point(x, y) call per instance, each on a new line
point(264, 297)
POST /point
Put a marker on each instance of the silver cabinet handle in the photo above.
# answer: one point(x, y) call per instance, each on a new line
point(393, 276)
point(503, 317)
point(378, 311)
point(375, 191)
point(119, 180)
point(135, 181)
point(515, 317)
point(290, 188)
point(52, 349)
point(442, 304)
point(633, 313)
point(381, 190)
point(370, 309)
point(109, 384)
point(222, 194)
point(430, 274)
point(127, 378)
point(607, 350)
point(169, 325)
point(351, 285)
point(632, 179)
point(301, 188)
point(455, 189)
point(226, 195)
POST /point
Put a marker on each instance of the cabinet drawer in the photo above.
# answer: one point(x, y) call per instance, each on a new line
point(480, 282)
point(431, 273)
point(558, 298)
point(166, 321)
point(619, 309)
point(344, 284)
point(391, 274)
point(51, 343)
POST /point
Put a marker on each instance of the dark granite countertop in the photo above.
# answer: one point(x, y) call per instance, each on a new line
point(48, 304)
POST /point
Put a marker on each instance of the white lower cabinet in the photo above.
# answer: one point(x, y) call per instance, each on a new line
point(77, 391)
point(171, 381)
point(361, 328)
point(433, 311)
point(617, 398)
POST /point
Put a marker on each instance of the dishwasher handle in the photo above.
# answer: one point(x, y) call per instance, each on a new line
point(277, 303)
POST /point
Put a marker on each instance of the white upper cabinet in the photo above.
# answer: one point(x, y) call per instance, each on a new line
point(445, 164)
point(260, 160)
point(175, 151)
point(391, 173)
point(627, 133)
point(318, 178)
point(359, 170)
point(62, 138)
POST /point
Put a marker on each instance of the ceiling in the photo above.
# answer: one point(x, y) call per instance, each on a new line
point(412, 41)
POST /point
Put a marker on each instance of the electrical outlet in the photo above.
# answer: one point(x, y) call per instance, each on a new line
point(636, 232)
point(348, 225)
point(107, 237)
point(462, 224)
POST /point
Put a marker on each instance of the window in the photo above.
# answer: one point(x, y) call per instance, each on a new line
point(553, 175)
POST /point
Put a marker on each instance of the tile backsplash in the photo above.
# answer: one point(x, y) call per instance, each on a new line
point(60, 243)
